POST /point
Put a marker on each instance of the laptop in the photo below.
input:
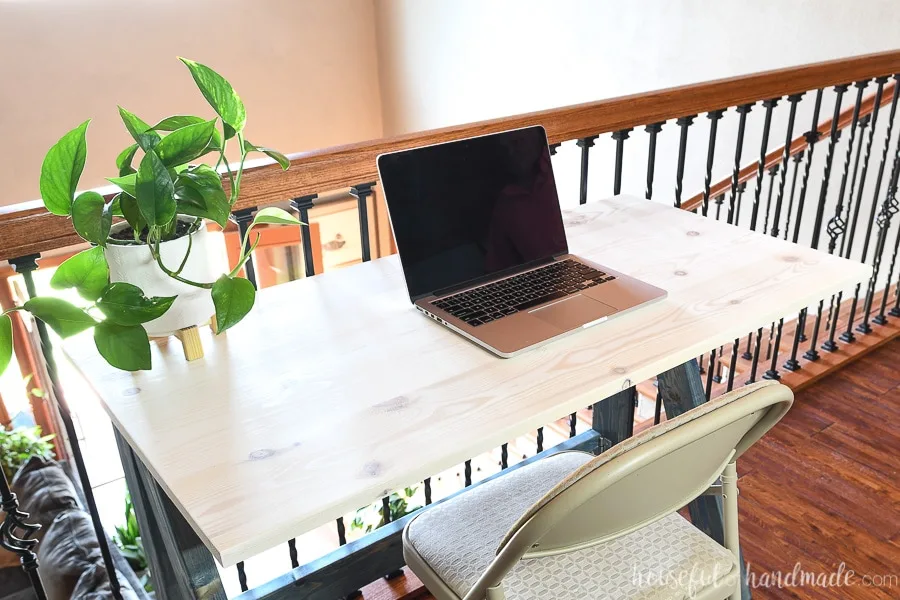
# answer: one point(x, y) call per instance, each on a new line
point(480, 235)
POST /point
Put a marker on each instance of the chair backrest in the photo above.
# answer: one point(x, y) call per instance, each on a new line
point(649, 476)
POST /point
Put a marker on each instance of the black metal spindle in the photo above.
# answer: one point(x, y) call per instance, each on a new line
point(684, 123)
point(292, 553)
point(573, 421)
point(742, 110)
point(653, 129)
point(17, 536)
point(864, 326)
point(747, 354)
point(657, 412)
point(242, 576)
point(362, 192)
point(888, 210)
point(798, 158)
point(585, 144)
point(720, 200)
point(341, 531)
point(853, 205)
point(25, 265)
point(755, 364)
point(243, 218)
point(427, 483)
point(302, 205)
point(710, 373)
point(772, 371)
point(714, 117)
point(742, 187)
point(504, 456)
point(554, 148)
point(812, 354)
point(773, 172)
point(761, 164)
point(837, 226)
point(620, 137)
point(785, 157)
point(540, 440)
point(733, 366)
point(467, 473)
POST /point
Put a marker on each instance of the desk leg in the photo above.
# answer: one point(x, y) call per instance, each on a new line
point(181, 566)
point(682, 389)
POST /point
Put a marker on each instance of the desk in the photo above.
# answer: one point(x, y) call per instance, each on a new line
point(334, 390)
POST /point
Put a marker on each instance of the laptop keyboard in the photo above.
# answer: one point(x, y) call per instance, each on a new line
point(506, 297)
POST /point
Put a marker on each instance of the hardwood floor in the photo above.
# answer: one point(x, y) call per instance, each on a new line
point(822, 488)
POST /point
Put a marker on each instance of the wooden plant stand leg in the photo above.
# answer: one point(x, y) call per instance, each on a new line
point(190, 341)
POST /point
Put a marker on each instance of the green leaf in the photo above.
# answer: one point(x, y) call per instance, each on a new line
point(178, 121)
point(132, 212)
point(91, 217)
point(87, 272)
point(155, 191)
point(233, 298)
point(62, 169)
point(115, 206)
point(220, 95)
point(280, 158)
point(199, 193)
point(123, 161)
point(185, 144)
point(62, 317)
point(142, 133)
point(125, 182)
point(6, 342)
point(274, 216)
point(125, 347)
point(126, 304)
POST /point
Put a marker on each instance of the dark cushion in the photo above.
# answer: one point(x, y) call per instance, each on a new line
point(44, 491)
point(94, 585)
point(69, 549)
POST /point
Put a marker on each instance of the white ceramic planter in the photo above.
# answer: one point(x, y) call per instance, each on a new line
point(207, 262)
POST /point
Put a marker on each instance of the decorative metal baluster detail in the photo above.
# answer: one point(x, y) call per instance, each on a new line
point(837, 226)
point(17, 536)
point(427, 491)
point(761, 164)
point(854, 206)
point(540, 440)
point(292, 553)
point(467, 473)
point(755, 364)
point(888, 210)
point(341, 531)
point(243, 218)
point(733, 366)
point(684, 123)
point(25, 265)
point(772, 371)
point(785, 157)
point(773, 172)
point(620, 137)
point(242, 576)
point(864, 326)
point(653, 129)
point(302, 205)
point(812, 354)
point(710, 373)
point(504, 456)
point(798, 158)
point(573, 421)
point(812, 136)
point(585, 144)
point(657, 412)
point(362, 192)
point(742, 187)
point(714, 117)
point(720, 200)
point(742, 110)
point(748, 355)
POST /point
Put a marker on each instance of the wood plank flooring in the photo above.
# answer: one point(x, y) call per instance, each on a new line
point(820, 490)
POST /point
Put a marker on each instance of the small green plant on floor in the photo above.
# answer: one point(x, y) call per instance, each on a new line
point(20, 444)
point(371, 517)
point(128, 539)
point(160, 180)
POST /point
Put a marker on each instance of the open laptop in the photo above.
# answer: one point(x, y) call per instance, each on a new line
point(480, 234)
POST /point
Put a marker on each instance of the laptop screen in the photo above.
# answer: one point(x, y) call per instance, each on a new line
point(470, 208)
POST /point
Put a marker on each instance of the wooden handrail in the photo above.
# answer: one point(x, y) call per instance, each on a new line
point(27, 228)
point(798, 144)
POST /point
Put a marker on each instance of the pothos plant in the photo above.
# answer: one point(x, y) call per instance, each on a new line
point(161, 177)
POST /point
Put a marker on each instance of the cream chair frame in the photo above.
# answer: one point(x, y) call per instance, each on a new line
point(633, 485)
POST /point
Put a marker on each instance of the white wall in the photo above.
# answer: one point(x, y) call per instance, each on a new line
point(306, 70)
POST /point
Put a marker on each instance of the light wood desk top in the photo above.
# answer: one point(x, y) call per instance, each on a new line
point(335, 391)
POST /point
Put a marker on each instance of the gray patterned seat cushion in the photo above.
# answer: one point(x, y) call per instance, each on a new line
point(669, 559)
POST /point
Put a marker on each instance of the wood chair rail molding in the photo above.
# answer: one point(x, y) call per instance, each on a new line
point(27, 228)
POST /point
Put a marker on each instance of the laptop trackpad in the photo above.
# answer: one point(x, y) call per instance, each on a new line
point(573, 312)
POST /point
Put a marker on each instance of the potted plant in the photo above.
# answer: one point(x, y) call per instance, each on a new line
point(20, 444)
point(155, 271)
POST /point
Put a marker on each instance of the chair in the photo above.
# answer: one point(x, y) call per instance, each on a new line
point(575, 526)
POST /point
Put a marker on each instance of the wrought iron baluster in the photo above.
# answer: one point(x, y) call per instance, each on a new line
point(362, 192)
point(341, 531)
point(761, 165)
point(837, 226)
point(888, 210)
point(17, 536)
point(585, 144)
point(755, 364)
point(773, 172)
point(742, 110)
point(620, 137)
point(242, 576)
point(720, 200)
point(554, 148)
point(504, 456)
point(798, 158)
point(302, 205)
point(573, 420)
point(684, 123)
point(854, 206)
point(772, 371)
point(657, 412)
point(653, 129)
point(710, 373)
point(864, 326)
point(714, 117)
point(427, 483)
point(742, 187)
point(540, 440)
point(25, 265)
point(467, 473)
point(812, 354)
point(292, 553)
point(243, 218)
point(785, 156)
point(733, 366)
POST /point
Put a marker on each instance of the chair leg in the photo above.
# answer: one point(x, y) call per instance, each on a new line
point(730, 516)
